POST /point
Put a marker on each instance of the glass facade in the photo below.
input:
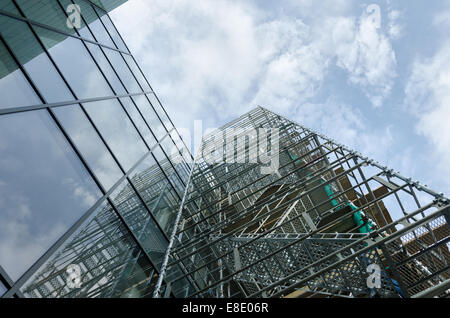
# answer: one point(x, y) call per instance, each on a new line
point(92, 170)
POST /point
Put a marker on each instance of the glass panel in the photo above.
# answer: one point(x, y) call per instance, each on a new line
point(175, 157)
point(137, 72)
point(95, 24)
point(2, 289)
point(140, 222)
point(44, 188)
point(150, 116)
point(8, 6)
point(139, 122)
point(83, 31)
point(47, 12)
point(124, 72)
point(156, 192)
point(118, 131)
point(181, 146)
point(35, 61)
point(76, 65)
point(105, 258)
point(106, 68)
point(15, 90)
point(111, 30)
point(160, 111)
point(169, 170)
point(90, 145)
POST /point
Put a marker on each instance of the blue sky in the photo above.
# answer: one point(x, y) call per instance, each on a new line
point(372, 75)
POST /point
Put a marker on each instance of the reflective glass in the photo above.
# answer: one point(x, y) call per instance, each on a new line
point(137, 119)
point(157, 193)
point(150, 116)
point(137, 72)
point(8, 6)
point(89, 144)
point(15, 90)
point(124, 72)
point(83, 30)
point(181, 146)
point(94, 23)
point(160, 111)
point(141, 223)
point(111, 30)
point(44, 188)
point(35, 61)
point(175, 158)
point(108, 260)
point(169, 170)
point(118, 131)
point(76, 65)
point(2, 289)
point(106, 68)
point(47, 12)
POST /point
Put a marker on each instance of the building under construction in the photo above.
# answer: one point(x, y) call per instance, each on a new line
point(328, 223)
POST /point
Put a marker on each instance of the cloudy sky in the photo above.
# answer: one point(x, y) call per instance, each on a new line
point(372, 75)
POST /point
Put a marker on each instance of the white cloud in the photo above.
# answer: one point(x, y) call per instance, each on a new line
point(229, 56)
point(348, 126)
point(366, 53)
point(428, 98)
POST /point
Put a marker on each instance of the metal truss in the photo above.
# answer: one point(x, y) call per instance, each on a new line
point(315, 228)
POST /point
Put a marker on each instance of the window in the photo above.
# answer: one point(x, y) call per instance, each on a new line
point(2, 289)
point(124, 72)
point(94, 23)
point(112, 30)
point(43, 186)
point(150, 116)
point(118, 131)
point(139, 220)
point(137, 119)
point(160, 111)
point(106, 68)
point(47, 12)
point(15, 90)
point(137, 72)
point(8, 6)
point(157, 193)
point(35, 61)
point(106, 253)
point(76, 64)
point(89, 144)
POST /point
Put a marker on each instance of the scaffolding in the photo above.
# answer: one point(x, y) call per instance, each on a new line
point(328, 223)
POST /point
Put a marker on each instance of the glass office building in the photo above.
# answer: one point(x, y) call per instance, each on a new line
point(92, 169)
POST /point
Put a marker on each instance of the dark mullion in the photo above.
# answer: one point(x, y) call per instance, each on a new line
point(104, 26)
point(8, 283)
point(23, 18)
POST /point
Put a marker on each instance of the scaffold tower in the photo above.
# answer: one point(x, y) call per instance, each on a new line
point(329, 222)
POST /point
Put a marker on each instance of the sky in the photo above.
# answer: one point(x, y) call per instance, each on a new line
point(374, 75)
